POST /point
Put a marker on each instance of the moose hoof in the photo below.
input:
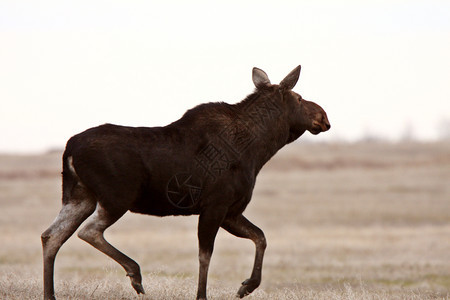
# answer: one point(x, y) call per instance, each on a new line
point(247, 287)
point(49, 297)
point(136, 283)
point(138, 287)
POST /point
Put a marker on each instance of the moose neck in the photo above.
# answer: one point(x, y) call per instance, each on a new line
point(261, 122)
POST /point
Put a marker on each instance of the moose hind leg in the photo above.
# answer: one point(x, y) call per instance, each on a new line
point(241, 227)
point(92, 233)
point(69, 219)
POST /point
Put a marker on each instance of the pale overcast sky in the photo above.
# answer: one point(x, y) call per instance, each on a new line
point(376, 67)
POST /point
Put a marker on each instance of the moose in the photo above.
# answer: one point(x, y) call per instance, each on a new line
point(205, 164)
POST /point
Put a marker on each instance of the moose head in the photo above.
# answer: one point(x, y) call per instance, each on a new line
point(302, 115)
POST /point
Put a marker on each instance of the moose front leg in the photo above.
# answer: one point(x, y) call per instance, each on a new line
point(241, 227)
point(208, 224)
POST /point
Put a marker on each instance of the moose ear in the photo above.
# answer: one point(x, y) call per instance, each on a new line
point(260, 78)
point(291, 79)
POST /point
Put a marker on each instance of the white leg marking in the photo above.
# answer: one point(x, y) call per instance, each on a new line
point(70, 165)
point(72, 170)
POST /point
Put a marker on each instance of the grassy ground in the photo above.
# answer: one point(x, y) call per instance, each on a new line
point(343, 221)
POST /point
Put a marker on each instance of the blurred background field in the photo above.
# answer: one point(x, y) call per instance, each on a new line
point(343, 221)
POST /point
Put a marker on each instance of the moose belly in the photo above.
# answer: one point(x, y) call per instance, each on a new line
point(180, 196)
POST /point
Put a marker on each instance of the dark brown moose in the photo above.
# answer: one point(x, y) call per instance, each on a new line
point(204, 164)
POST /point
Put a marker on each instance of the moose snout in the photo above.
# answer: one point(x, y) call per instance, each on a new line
point(323, 124)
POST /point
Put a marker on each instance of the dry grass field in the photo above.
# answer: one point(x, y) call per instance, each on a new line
point(343, 221)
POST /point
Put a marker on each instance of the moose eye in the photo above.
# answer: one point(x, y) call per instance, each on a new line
point(300, 98)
